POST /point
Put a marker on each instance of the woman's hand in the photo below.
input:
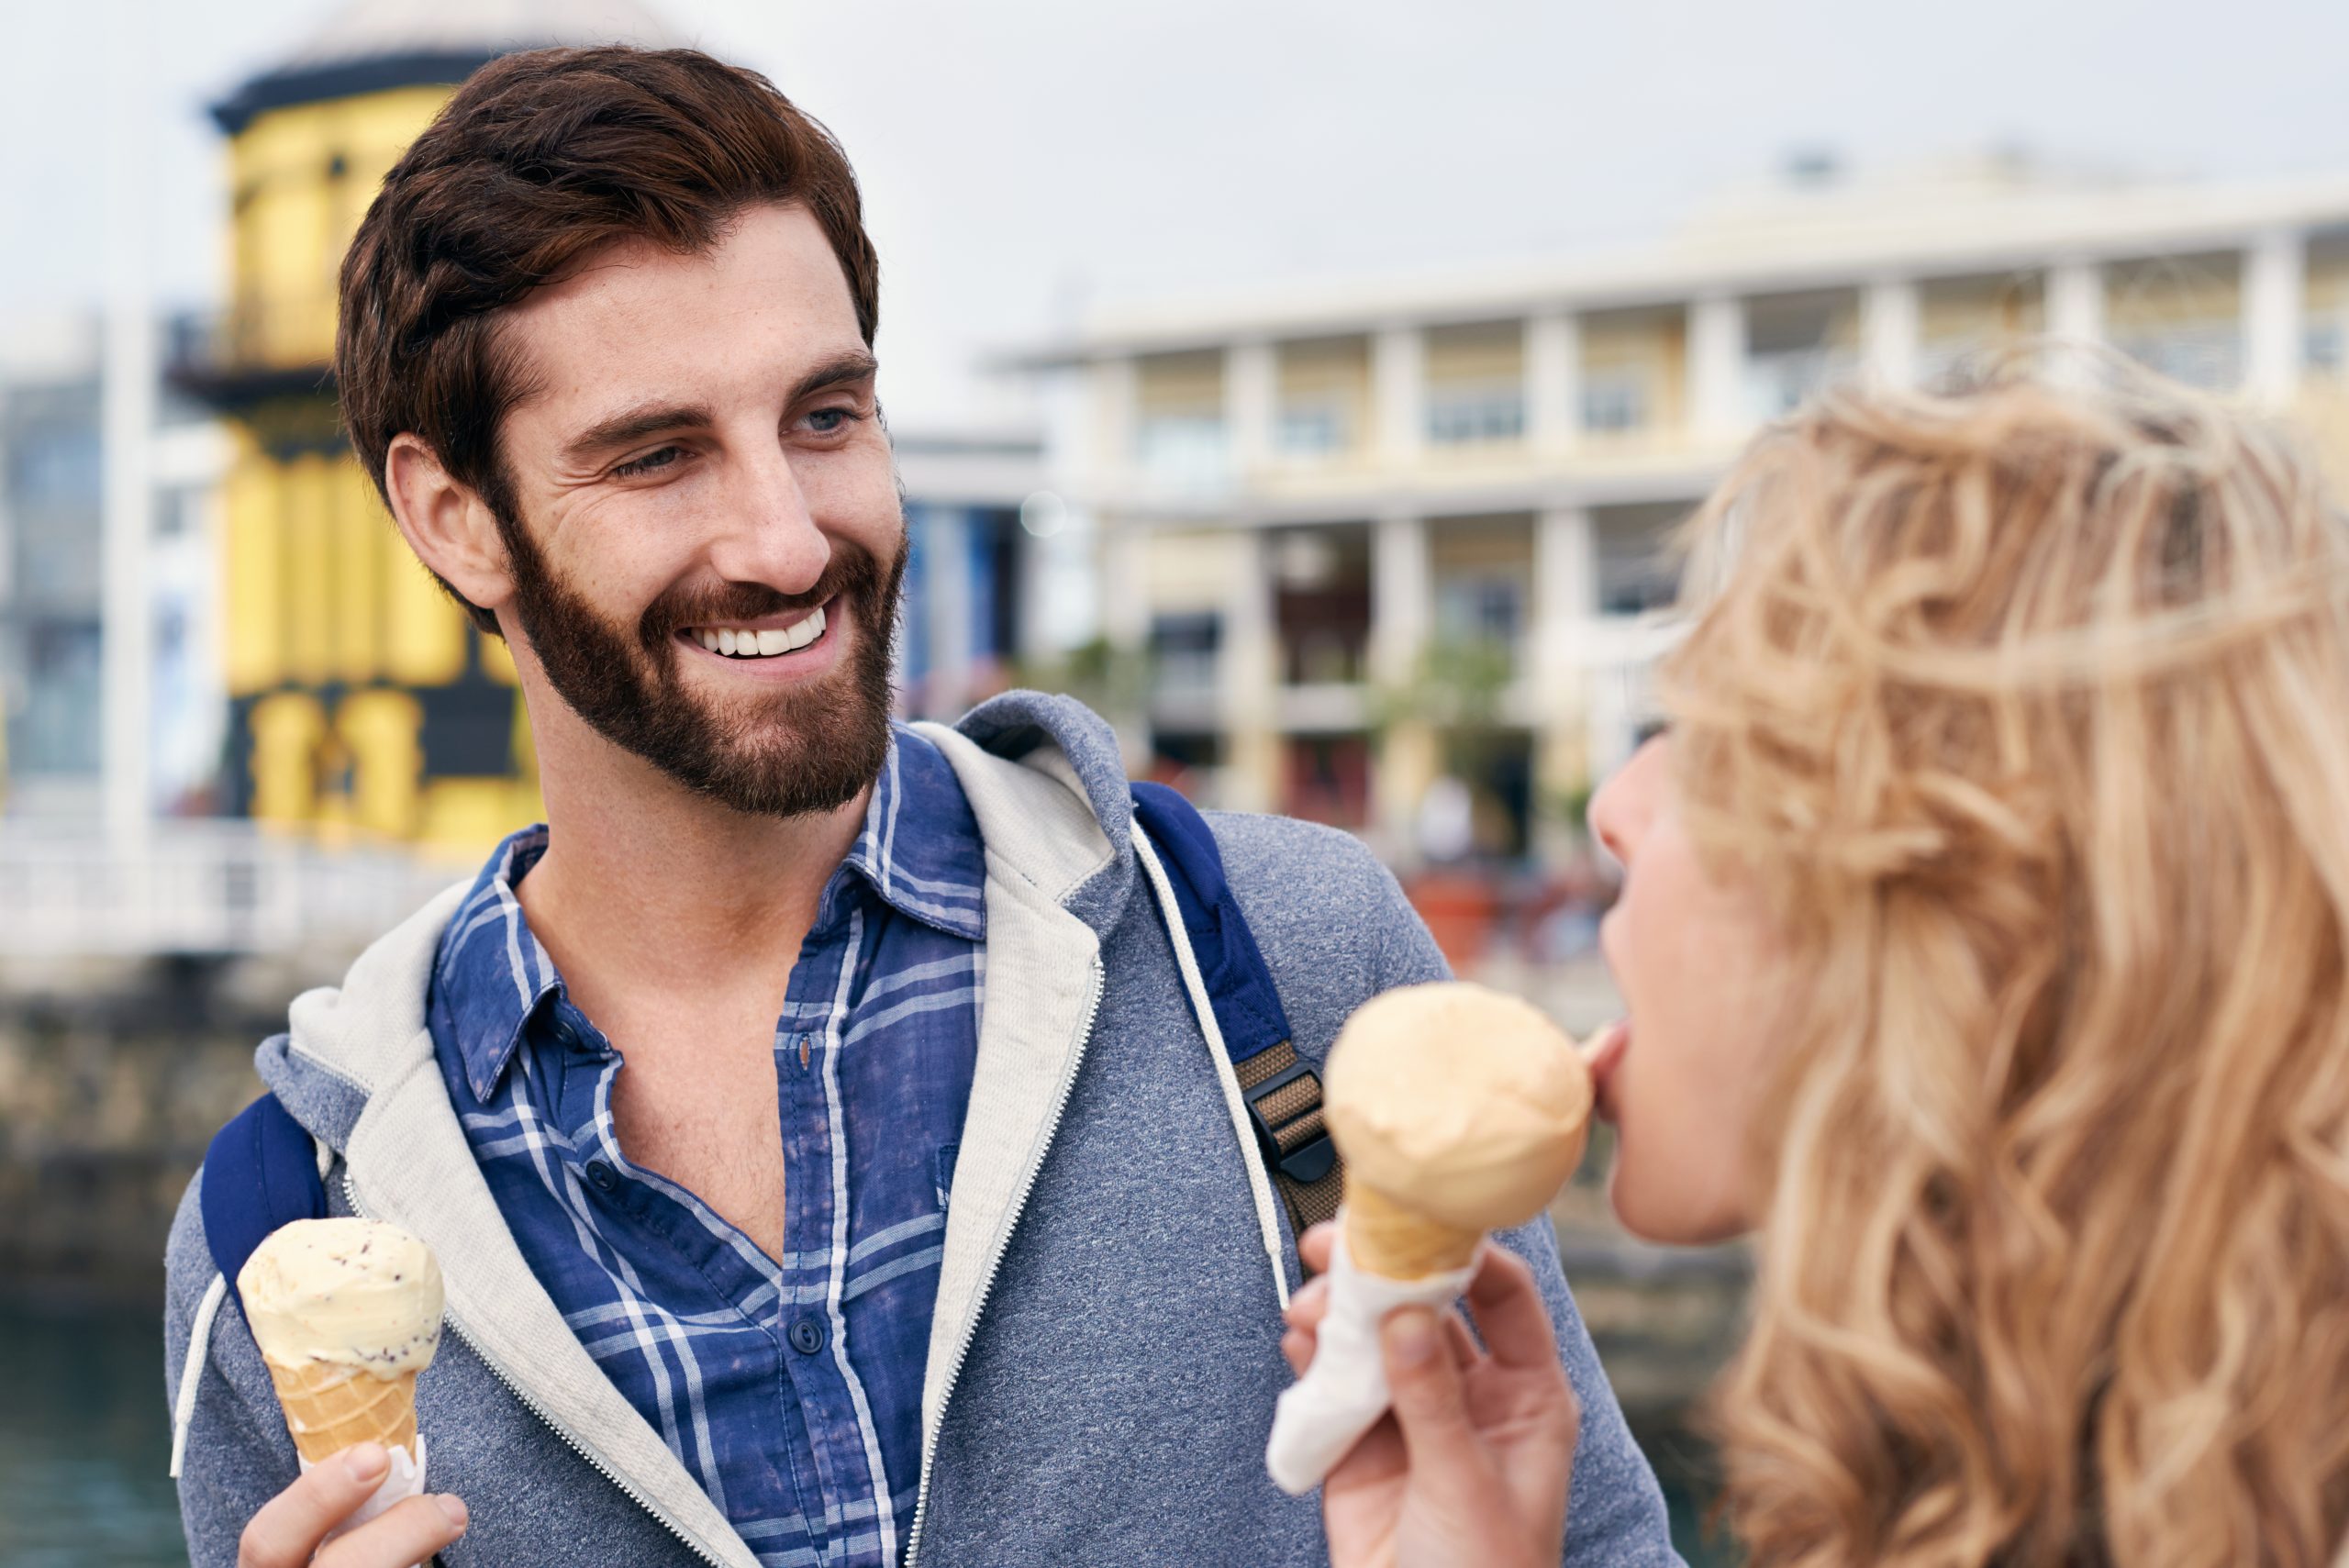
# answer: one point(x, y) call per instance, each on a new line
point(286, 1532)
point(1473, 1464)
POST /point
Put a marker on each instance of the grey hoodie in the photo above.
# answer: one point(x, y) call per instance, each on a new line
point(1105, 1350)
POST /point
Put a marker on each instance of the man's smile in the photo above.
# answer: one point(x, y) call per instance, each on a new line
point(771, 636)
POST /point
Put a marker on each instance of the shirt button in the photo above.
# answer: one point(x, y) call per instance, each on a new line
point(600, 1176)
point(807, 1336)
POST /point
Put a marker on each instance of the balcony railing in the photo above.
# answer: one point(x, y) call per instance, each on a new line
point(198, 888)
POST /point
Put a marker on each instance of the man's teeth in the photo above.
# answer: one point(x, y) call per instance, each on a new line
point(744, 643)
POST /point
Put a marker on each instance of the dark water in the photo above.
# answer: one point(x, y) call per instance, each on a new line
point(85, 1438)
point(85, 1442)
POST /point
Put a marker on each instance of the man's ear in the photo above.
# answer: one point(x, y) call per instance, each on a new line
point(447, 524)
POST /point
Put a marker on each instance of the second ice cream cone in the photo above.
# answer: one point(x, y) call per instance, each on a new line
point(1394, 1242)
point(328, 1408)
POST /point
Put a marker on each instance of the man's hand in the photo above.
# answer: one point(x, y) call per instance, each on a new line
point(1475, 1461)
point(286, 1532)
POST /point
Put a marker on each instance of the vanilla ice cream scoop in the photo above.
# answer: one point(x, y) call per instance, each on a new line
point(357, 1293)
point(1458, 1110)
point(347, 1312)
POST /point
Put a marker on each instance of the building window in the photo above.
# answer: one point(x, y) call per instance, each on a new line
point(2209, 357)
point(1312, 429)
point(1182, 451)
point(2323, 345)
point(1480, 612)
point(1614, 399)
point(1182, 653)
point(1461, 415)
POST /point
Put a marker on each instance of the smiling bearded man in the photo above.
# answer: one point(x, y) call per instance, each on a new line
point(824, 1158)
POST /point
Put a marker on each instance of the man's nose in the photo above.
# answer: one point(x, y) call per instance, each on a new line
point(769, 534)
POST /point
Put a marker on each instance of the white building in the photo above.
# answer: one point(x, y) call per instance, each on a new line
point(1332, 516)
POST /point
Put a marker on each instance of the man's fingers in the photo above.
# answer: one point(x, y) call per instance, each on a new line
point(288, 1529)
point(1509, 1314)
point(401, 1535)
point(1298, 1347)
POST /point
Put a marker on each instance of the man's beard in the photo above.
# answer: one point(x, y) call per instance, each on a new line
point(797, 749)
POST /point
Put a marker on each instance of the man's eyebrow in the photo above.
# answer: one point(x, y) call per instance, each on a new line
point(858, 365)
point(635, 424)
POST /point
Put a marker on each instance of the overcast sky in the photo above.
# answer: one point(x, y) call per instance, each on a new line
point(1023, 157)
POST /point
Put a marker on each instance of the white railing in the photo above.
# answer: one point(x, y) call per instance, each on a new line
point(198, 887)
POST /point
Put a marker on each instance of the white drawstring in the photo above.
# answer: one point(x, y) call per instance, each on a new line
point(199, 1346)
point(1260, 1185)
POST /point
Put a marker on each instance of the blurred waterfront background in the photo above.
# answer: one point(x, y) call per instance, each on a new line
point(1310, 387)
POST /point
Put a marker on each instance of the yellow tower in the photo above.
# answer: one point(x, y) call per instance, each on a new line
point(362, 702)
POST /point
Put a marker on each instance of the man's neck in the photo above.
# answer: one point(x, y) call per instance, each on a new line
point(647, 888)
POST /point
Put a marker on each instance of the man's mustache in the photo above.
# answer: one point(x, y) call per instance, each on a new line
point(852, 570)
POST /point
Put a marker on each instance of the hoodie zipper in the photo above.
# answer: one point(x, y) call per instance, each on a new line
point(994, 1266)
point(350, 1195)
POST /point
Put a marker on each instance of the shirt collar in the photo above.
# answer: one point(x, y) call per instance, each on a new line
point(919, 852)
point(491, 975)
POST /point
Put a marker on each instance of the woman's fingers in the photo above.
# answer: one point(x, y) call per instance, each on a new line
point(1509, 1314)
point(1316, 1245)
point(1465, 1350)
point(1432, 1408)
point(400, 1536)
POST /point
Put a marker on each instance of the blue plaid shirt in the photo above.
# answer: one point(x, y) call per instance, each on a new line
point(790, 1387)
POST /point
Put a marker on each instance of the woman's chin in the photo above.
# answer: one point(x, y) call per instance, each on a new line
point(1670, 1217)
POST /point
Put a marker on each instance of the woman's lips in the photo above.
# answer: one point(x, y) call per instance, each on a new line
point(1601, 1055)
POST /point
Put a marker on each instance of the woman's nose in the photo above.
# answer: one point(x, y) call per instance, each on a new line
point(1621, 809)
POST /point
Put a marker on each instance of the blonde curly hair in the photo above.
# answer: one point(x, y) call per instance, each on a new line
point(2028, 705)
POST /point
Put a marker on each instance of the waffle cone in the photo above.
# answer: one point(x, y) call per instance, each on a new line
point(1386, 1239)
point(330, 1406)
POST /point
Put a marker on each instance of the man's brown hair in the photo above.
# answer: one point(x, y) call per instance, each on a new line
point(541, 160)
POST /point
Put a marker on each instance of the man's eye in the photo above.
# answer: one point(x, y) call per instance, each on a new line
point(649, 463)
point(832, 422)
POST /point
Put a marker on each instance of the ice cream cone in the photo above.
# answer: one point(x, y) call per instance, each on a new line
point(1458, 1110)
point(330, 1407)
point(1394, 1242)
point(346, 1312)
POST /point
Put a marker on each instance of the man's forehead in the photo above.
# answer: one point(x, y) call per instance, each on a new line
point(639, 320)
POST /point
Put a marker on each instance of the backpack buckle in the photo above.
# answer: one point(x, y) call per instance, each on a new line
point(1306, 1155)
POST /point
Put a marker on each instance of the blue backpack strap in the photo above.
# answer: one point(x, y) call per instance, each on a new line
point(1283, 1091)
point(260, 1172)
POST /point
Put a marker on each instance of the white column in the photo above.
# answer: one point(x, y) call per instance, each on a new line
point(1251, 402)
point(1248, 679)
point(1891, 329)
point(2076, 301)
point(1566, 596)
point(946, 582)
point(1565, 606)
point(1125, 623)
point(126, 418)
point(1116, 388)
point(2275, 306)
point(1399, 357)
point(1716, 367)
point(1401, 597)
point(1125, 582)
point(1553, 381)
